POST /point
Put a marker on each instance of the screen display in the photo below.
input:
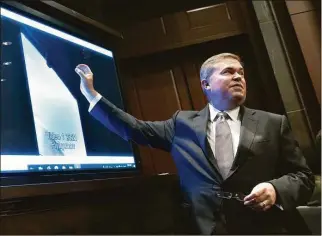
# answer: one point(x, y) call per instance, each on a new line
point(45, 123)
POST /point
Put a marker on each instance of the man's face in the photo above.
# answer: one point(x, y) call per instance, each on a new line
point(227, 82)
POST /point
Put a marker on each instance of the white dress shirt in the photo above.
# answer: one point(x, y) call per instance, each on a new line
point(234, 125)
point(94, 101)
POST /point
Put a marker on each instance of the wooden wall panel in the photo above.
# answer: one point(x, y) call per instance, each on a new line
point(131, 100)
point(181, 29)
point(146, 207)
point(181, 86)
point(203, 24)
point(191, 70)
point(144, 37)
point(298, 6)
point(155, 92)
point(308, 31)
point(158, 95)
point(159, 100)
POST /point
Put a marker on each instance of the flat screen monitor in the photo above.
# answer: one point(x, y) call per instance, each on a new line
point(45, 123)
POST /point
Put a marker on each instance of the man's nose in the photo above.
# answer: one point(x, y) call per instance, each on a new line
point(237, 77)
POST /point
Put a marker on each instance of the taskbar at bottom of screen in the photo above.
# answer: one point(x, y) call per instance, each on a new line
point(69, 167)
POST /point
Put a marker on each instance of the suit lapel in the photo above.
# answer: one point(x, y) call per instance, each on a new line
point(200, 123)
point(247, 133)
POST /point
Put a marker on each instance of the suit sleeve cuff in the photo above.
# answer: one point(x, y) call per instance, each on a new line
point(278, 205)
point(94, 102)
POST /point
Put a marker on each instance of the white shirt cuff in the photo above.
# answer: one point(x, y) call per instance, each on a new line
point(94, 102)
point(279, 206)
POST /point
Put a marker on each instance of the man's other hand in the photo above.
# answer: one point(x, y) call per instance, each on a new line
point(262, 197)
point(87, 81)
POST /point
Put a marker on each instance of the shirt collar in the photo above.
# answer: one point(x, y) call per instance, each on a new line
point(233, 114)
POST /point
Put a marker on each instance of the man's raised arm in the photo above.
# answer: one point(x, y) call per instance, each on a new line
point(158, 134)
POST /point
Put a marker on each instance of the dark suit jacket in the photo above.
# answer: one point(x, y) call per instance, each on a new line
point(267, 152)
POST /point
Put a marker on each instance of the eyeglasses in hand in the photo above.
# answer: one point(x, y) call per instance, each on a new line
point(228, 195)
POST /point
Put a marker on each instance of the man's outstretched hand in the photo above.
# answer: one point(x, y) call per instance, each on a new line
point(87, 81)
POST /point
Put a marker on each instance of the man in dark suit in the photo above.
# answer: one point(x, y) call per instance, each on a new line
point(240, 169)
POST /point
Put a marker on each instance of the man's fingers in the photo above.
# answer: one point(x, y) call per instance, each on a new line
point(85, 68)
point(267, 207)
point(250, 202)
point(250, 197)
point(80, 73)
point(254, 194)
point(256, 201)
point(262, 206)
point(86, 82)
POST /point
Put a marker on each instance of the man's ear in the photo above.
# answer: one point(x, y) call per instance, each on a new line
point(205, 85)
